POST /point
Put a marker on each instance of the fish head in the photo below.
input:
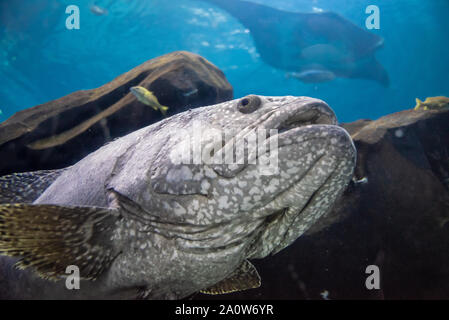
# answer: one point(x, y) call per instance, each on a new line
point(137, 90)
point(247, 176)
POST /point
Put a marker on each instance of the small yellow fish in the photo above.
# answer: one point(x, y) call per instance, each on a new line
point(432, 103)
point(147, 97)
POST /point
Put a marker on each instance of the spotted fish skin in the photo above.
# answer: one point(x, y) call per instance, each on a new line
point(180, 228)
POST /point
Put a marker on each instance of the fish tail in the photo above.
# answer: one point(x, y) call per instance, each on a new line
point(164, 110)
point(50, 238)
point(418, 104)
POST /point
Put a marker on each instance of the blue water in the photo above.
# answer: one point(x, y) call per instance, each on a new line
point(41, 60)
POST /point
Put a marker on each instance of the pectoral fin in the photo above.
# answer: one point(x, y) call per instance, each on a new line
point(243, 278)
point(49, 238)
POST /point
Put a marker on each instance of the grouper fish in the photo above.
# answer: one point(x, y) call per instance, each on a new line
point(139, 223)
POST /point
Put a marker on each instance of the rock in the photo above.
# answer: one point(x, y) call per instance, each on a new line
point(398, 220)
point(61, 132)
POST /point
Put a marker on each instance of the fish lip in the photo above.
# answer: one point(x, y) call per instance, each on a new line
point(292, 114)
point(292, 136)
point(303, 111)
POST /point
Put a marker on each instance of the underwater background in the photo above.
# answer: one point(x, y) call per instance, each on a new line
point(394, 213)
point(41, 60)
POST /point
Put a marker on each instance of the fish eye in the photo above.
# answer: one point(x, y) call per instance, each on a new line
point(249, 104)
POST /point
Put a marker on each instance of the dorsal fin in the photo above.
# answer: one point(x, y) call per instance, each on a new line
point(27, 186)
point(243, 278)
point(50, 238)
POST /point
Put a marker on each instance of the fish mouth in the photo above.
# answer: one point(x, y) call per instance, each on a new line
point(282, 122)
point(300, 112)
point(304, 113)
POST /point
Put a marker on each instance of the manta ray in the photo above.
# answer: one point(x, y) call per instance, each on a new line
point(309, 42)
